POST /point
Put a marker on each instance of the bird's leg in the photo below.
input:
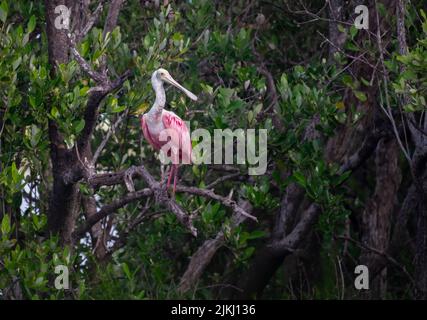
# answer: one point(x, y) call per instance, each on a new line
point(166, 170)
point(170, 176)
point(175, 178)
point(162, 171)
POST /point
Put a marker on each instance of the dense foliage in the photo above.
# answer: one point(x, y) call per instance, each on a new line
point(345, 181)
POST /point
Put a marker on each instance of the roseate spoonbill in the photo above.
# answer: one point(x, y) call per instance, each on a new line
point(161, 127)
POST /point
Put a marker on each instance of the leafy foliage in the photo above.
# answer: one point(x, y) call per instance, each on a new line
point(214, 49)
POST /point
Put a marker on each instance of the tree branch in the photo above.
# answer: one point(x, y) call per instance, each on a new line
point(109, 209)
point(96, 76)
point(271, 90)
point(380, 253)
point(160, 194)
point(112, 17)
point(222, 179)
point(91, 112)
point(91, 21)
point(224, 200)
point(203, 256)
point(154, 188)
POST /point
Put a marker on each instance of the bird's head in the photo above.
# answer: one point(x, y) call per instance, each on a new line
point(164, 76)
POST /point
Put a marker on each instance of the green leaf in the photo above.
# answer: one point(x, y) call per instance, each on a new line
point(16, 63)
point(360, 95)
point(256, 234)
point(298, 99)
point(342, 178)
point(248, 252)
point(224, 96)
point(119, 109)
point(353, 31)
point(126, 270)
point(113, 103)
point(177, 37)
point(84, 48)
point(250, 116)
point(300, 178)
point(25, 39)
point(207, 88)
point(97, 54)
point(39, 281)
point(235, 105)
point(352, 47)
point(4, 9)
point(83, 91)
point(15, 173)
point(341, 28)
point(66, 255)
point(347, 80)
point(409, 108)
point(5, 225)
point(78, 126)
point(33, 102)
point(31, 24)
point(365, 82)
point(54, 112)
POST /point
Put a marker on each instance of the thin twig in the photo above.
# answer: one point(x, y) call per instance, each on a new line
point(108, 136)
point(388, 112)
point(380, 253)
point(96, 76)
point(222, 179)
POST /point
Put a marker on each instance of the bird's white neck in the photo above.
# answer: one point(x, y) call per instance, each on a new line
point(157, 108)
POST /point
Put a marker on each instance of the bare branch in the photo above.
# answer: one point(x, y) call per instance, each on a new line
point(403, 50)
point(364, 152)
point(109, 209)
point(91, 21)
point(222, 179)
point(357, 58)
point(125, 176)
point(271, 90)
point(224, 200)
point(96, 76)
point(91, 112)
point(203, 256)
point(99, 246)
point(160, 194)
point(387, 111)
point(110, 24)
point(112, 17)
point(291, 242)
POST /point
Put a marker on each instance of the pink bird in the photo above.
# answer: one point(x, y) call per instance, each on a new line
point(164, 130)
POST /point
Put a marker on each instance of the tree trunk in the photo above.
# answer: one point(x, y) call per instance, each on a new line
point(377, 217)
point(63, 205)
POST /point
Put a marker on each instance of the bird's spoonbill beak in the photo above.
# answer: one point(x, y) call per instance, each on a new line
point(168, 78)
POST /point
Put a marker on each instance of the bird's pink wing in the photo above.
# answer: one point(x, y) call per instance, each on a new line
point(147, 134)
point(178, 127)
